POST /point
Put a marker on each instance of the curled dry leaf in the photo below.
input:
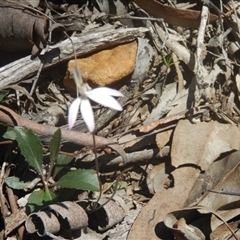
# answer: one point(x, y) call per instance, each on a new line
point(158, 179)
point(194, 223)
point(213, 210)
point(224, 175)
point(223, 231)
point(179, 227)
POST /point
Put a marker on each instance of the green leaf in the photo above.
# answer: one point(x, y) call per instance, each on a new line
point(80, 179)
point(41, 198)
point(35, 201)
point(7, 132)
point(62, 161)
point(15, 183)
point(168, 61)
point(10, 134)
point(31, 147)
point(49, 196)
point(55, 145)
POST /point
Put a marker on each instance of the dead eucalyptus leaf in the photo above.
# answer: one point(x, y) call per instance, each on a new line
point(143, 60)
point(180, 225)
point(202, 143)
point(149, 222)
point(183, 224)
point(221, 175)
point(226, 177)
point(222, 232)
point(172, 15)
point(194, 223)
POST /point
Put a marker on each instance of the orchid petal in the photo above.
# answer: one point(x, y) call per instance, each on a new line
point(73, 111)
point(87, 114)
point(105, 100)
point(106, 91)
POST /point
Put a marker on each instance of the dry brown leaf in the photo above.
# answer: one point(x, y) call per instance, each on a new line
point(189, 223)
point(162, 139)
point(148, 224)
point(225, 174)
point(202, 143)
point(173, 16)
point(194, 223)
point(222, 175)
point(222, 232)
point(181, 230)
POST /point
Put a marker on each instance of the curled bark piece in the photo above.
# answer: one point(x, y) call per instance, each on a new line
point(21, 29)
point(109, 215)
point(43, 223)
point(56, 217)
point(70, 215)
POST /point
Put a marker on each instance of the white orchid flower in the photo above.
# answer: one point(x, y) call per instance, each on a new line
point(101, 95)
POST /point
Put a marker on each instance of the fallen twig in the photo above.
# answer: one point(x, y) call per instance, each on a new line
point(11, 118)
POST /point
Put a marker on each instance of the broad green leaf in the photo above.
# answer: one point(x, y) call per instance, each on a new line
point(35, 201)
point(15, 183)
point(80, 179)
point(31, 147)
point(55, 145)
point(62, 161)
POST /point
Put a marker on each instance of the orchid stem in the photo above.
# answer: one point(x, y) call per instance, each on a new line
point(97, 169)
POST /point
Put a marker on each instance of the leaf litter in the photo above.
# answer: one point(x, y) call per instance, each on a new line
point(178, 132)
